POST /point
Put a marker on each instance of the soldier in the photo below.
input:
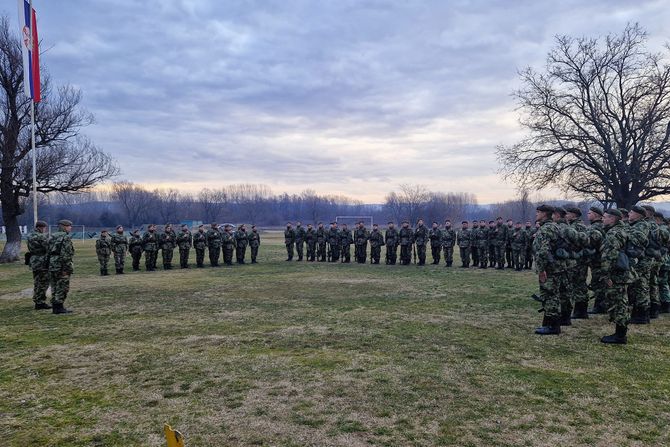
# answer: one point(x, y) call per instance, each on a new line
point(474, 252)
point(448, 242)
point(596, 236)
point(500, 242)
point(168, 242)
point(578, 274)
point(184, 242)
point(346, 239)
point(406, 237)
point(321, 241)
point(299, 240)
point(391, 240)
point(289, 240)
point(214, 244)
point(376, 242)
point(254, 243)
point(655, 253)
point(435, 236)
point(241, 242)
point(310, 239)
point(530, 235)
point(135, 246)
point(119, 243)
point(518, 241)
point(551, 271)
point(103, 248)
point(482, 243)
point(464, 241)
point(38, 260)
point(200, 244)
point(617, 275)
point(664, 270)
point(333, 243)
point(150, 243)
point(361, 236)
point(228, 243)
point(421, 239)
point(508, 243)
point(491, 241)
point(568, 244)
point(638, 291)
point(61, 253)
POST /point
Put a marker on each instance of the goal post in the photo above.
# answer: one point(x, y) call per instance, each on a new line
point(353, 220)
point(78, 232)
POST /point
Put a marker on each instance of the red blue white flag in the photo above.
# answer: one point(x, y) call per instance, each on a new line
point(31, 53)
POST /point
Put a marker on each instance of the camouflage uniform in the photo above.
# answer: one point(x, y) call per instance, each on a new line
point(406, 237)
point(464, 241)
point(435, 236)
point(664, 270)
point(481, 240)
point(228, 243)
point(299, 241)
point(530, 233)
point(421, 239)
point(135, 245)
point(61, 254)
point(391, 240)
point(241, 243)
point(321, 241)
point(361, 236)
point(638, 291)
point(200, 244)
point(150, 241)
point(551, 290)
point(38, 247)
point(289, 242)
point(569, 241)
point(500, 243)
point(474, 248)
point(448, 242)
point(333, 244)
point(491, 241)
point(119, 244)
point(578, 275)
point(518, 241)
point(214, 246)
point(655, 252)
point(254, 243)
point(376, 242)
point(310, 239)
point(346, 239)
point(184, 242)
point(508, 246)
point(103, 248)
point(168, 242)
point(613, 246)
point(596, 237)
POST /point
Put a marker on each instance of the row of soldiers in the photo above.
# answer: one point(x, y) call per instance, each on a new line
point(626, 253)
point(481, 245)
point(215, 241)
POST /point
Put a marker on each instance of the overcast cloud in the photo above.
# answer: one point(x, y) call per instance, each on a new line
point(346, 97)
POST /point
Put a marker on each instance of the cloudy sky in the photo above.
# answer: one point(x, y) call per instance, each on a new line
point(341, 96)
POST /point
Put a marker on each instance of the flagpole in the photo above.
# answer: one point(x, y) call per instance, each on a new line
point(32, 131)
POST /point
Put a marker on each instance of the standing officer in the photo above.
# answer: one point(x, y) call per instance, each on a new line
point(474, 248)
point(406, 237)
point(376, 242)
point(254, 243)
point(448, 242)
point(289, 240)
point(579, 273)
point(61, 254)
point(361, 236)
point(596, 237)
point(321, 241)
point(333, 243)
point(241, 243)
point(500, 233)
point(38, 260)
point(346, 240)
point(299, 240)
point(310, 240)
point(135, 245)
point(518, 241)
point(103, 248)
point(119, 248)
point(228, 244)
point(464, 241)
point(184, 242)
point(150, 243)
point(200, 243)
point(214, 244)
point(482, 242)
point(435, 236)
point(168, 243)
point(391, 240)
point(421, 239)
point(639, 289)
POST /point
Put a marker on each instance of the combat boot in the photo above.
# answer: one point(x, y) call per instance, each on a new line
point(640, 316)
point(581, 311)
point(665, 307)
point(545, 322)
point(58, 308)
point(552, 327)
point(618, 338)
point(42, 306)
point(654, 311)
point(565, 317)
point(118, 271)
point(102, 272)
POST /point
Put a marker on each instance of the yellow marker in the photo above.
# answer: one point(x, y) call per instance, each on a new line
point(173, 437)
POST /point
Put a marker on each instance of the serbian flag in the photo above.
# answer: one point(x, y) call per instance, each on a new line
point(31, 52)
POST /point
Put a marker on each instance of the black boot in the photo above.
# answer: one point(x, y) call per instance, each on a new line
point(640, 316)
point(654, 311)
point(102, 272)
point(42, 306)
point(552, 327)
point(565, 317)
point(581, 311)
point(118, 272)
point(618, 338)
point(58, 308)
point(665, 308)
point(545, 322)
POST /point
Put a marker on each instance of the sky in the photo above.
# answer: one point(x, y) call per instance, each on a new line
point(342, 97)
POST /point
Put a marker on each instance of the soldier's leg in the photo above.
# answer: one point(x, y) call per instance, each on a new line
point(529, 259)
point(474, 253)
point(639, 296)
point(60, 286)
point(664, 288)
point(581, 292)
point(200, 257)
point(549, 294)
point(147, 260)
point(40, 285)
point(522, 259)
point(654, 297)
point(483, 257)
point(103, 264)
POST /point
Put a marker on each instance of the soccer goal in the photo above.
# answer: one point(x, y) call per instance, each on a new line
point(78, 232)
point(353, 220)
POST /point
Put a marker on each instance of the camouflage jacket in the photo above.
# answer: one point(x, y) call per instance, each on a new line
point(61, 252)
point(150, 241)
point(448, 237)
point(435, 236)
point(518, 239)
point(391, 237)
point(103, 246)
point(200, 240)
point(500, 235)
point(168, 240)
point(135, 243)
point(334, 236)
point(638, 237)
point(406, 236)
point(421, 235)
point(289, 236)
point(241, 239)
point(299, 234)
point(254, 239)
point(544, 247)
point(228, 240)
point(346, 238)
point(530, 234)
point(582, 240)
point(596, 236)
point(310, 236)
point(614, 243)
point(481, 237)
point(213, 238)
point(321, 235)
point(119, 243)
point(361, 236)
point(464, 238)
point(38, 246)
point(184, 240)
point(376, 238)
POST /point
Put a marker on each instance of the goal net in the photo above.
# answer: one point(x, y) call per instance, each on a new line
point(78, 233)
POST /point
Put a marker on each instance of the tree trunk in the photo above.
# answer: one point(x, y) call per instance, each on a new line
point(12, 248)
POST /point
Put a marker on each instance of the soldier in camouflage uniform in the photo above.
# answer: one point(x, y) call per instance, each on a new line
point(150, 244)
point(530, 234)
point(228, 243)
point(333, 243)
point(569, 243)
point(491, 241)
point(482, 243)
point(508, 243)
point(464, 241)
point(664, 270)
point(500, 242)
point(38, 249)
point(376, 242)
point(299, 240)
point(214, 244)
point(578, 274)
point(391, 240)
point(617, 275)
point(241, 243)
point(474, 248)
point(551, 271)
point(346, 239)
point(655, 253)
point(435, 236)
point(406, 236)
point(168, 242)
point(322, 243)
point(135, 247)
point(103, 248)
point(361, 236)
point(518, 241)
point(289, 240)
point(61, 254)
point(200, 244)
point(448, 242)
point(119, 244)
point(596, 236)
point(638, 291)
point(310, 240)
point(254, 243)
point(421, 241)
point(184, 242)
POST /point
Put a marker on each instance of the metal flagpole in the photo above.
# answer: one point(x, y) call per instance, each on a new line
point(32, 129)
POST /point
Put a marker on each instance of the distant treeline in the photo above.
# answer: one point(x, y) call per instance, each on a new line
point(132, 205)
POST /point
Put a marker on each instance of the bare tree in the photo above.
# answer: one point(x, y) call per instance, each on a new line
point(66, 161)
point(133, 199)
point(211, 204)
point(413, 199)
point(167, 204)
point(598, 121)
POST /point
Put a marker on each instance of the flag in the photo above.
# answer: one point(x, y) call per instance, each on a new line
point(30, 47)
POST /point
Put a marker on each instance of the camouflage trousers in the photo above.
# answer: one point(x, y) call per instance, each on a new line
point(448, 254)
point(119, 259)
point(214, 253)
point(474, 254)
point(654, 296)
point(483, 256)
point(508, 255)
point(199, 257)
point(240, 254)
point(492, 255)
point(500, 256)
point(405, 254)
point(529, 259)
point(553, 292)
point(228, 254)
point(375, 254)
point(465, 256)
point(578, 287)
point(40, 285)
point(361, 253)
point(254, 253)
point(345, 252)
point(518, 258)
point(663, 286)
point(391, 254)
point(60, 286)
point(167, 254)
point(421, 254)
point(183, 257)
point(299, 249)
point(617, 304)
point(436, 251)
point(289, 251)
point(598, 287)
point(321, 251)
point(334, 253)
point(136, 253)
point(311, 250)
point(150, 257)
point(638, 291)
point(103, 260)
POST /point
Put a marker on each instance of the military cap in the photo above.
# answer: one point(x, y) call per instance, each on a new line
point(65, 223)
point(41, 224)
point(624, 211)
point(200, 226)
point(545, 208)
point(389, 222)
point(104, 231)
point(638, 209)
point(405, 221)
point(214, 224)
point(596, 210)
point(649, 208)
point(573, 210)
point(119, 226)
point(375, 225)
point(465, 221)
point(227, 226)
point(136, 230)
point(614, 212)
point(500, 218)
point(560, 210)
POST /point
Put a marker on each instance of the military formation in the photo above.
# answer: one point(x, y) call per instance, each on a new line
point(494, 244)
point(626, 253)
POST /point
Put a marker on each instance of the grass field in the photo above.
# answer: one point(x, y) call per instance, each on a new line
point(300, 354)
